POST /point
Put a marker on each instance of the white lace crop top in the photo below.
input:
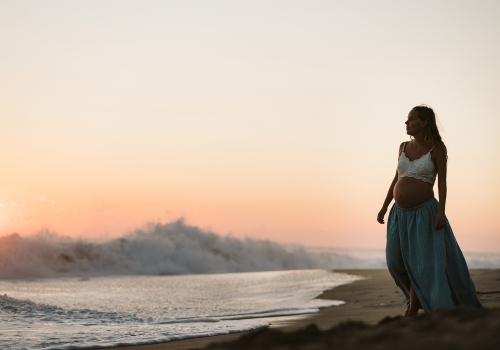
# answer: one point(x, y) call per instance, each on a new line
point(422, 168)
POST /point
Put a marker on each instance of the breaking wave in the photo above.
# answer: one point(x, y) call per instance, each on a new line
point(159, 249)
point(175, 248)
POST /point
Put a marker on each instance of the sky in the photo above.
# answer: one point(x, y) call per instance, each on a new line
point(274, 120)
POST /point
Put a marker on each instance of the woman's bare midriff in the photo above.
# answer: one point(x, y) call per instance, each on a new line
point(410, 192)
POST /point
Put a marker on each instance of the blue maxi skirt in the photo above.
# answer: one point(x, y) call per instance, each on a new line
point(428, 259)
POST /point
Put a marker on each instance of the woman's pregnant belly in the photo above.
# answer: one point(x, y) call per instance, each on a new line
point(410, 192)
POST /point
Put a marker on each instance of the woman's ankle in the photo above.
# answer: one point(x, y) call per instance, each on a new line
point(411, 313)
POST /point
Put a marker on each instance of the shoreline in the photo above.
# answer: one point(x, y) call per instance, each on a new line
point(368, 300)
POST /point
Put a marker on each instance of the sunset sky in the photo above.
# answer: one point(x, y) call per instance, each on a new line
point(275, 120)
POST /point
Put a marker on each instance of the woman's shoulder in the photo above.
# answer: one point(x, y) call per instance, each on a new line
point(439, 151)
point(401, 148)
point(439, 147)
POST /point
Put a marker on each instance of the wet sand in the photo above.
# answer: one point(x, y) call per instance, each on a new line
point(368, 302)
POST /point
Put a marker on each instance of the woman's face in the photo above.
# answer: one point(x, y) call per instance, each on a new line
point(414, 124)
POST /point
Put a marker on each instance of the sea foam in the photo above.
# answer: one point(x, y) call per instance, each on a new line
point(160, 249)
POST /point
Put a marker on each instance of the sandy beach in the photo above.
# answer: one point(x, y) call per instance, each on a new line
point(368, 302)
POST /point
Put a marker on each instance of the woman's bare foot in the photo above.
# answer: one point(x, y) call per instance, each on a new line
point(410, 313)
point(414, 303)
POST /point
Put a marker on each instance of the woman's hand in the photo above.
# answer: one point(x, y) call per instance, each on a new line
point(381, 214)
point(440, 220)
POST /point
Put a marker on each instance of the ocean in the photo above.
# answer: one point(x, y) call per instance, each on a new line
point(161, 283)
point(82, 313)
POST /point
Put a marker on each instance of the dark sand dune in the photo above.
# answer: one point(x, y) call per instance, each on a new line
point(455, 329)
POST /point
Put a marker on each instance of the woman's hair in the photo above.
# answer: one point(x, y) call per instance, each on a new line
point(431, 131)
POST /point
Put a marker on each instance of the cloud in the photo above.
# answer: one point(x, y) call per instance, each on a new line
point(41, 199)
point(13, 203)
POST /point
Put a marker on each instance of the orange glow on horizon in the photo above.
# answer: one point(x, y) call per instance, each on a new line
point(243, 118)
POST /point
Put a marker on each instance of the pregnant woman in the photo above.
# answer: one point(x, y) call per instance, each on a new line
point(422, 254)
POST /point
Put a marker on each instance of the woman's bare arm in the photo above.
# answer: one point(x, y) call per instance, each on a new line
point(390, 195)
point(388, 200)
point(441, 162)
